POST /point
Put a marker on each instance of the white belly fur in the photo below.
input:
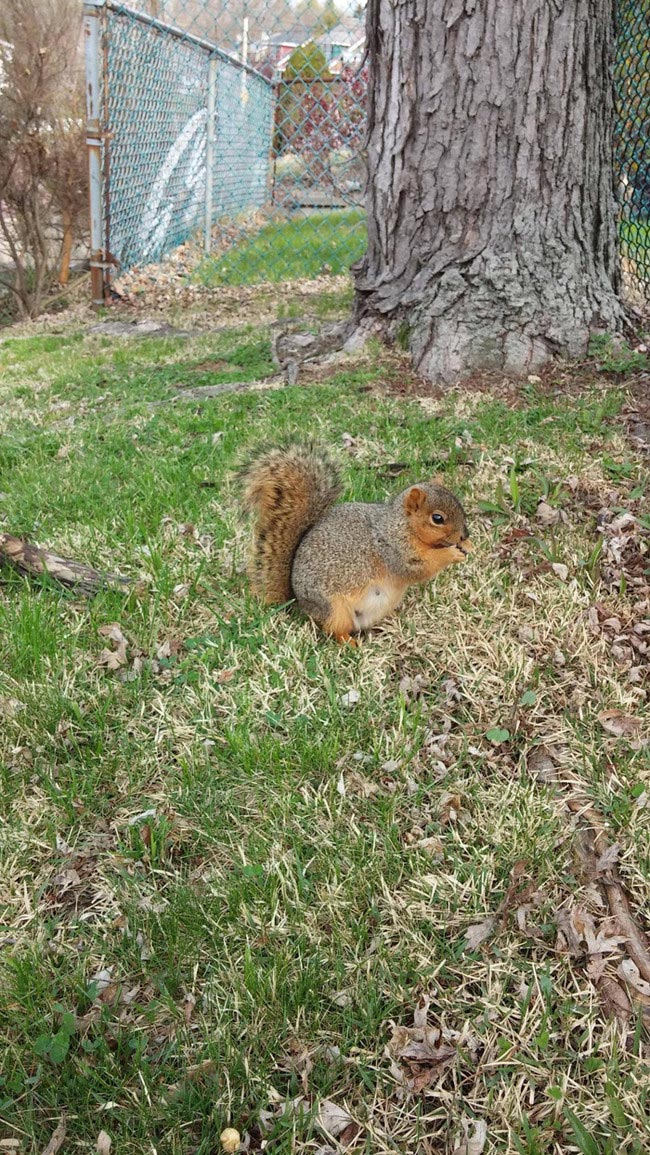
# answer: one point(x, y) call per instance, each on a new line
point(377, 601)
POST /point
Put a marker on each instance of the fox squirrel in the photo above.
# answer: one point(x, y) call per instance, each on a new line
point(347, 565)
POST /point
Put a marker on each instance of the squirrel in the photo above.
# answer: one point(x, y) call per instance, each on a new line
point(347, 565)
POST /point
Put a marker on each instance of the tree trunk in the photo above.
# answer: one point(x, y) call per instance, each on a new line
point(491, 214)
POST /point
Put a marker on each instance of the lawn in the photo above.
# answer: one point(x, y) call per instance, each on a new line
point(635, 246)
point(233, 893)
point(304, 246)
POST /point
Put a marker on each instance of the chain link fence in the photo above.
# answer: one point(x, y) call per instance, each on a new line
point(632, 145)
point(239, 121)
point(242, 122)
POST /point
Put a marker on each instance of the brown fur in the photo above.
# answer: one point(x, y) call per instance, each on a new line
point(347, 565)
point(289, 489)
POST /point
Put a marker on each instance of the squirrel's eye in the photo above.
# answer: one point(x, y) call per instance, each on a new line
point(437, 519)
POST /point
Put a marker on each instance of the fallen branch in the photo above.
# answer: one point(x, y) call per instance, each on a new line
point(637, 941)
point(592, 850)
point(58, 1135)
point(30, 559)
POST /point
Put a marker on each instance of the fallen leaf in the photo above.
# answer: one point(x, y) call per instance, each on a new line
point(103, 1144)
point(560, 570)
point(349, 1134)
point(619, 724)
point(102, 979)
point(608, 859)
point(113, 632)
point(472, 1144)
point(568, 933)
point(596, 967)
point(113, 659)
point(342, 998)
point(629, 971)
point(421, 1012)
point(479, 932)
point(431, 845)
point(596, 942)
point(451, 807)
point(546, 515)
point(332, 1119)
point(419, 1053)
point(411, 688)
point(541, 764)
point(350, 698)
point(135, 819)
point(66, 879)
point(189, 1003)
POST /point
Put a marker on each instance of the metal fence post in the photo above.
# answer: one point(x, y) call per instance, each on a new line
point(209, 148)
point(92, 41)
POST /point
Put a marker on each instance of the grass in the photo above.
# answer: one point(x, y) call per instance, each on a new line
point(302, 247)
point(222, 887)
point(635, 245)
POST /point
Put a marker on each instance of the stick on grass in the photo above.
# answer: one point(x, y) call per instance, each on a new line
point(34, 561)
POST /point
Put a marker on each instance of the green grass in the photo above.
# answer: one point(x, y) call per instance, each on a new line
point(635, 245)
point(303, 247)
point(220, 886)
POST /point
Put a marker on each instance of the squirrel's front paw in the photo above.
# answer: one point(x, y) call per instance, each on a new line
point(461, 550)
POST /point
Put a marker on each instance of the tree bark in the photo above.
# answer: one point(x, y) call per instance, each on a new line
point(34, 561)
point(491, 214)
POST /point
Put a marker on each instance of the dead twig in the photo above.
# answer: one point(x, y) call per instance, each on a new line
point(58, 1136)
point(637, 941)
point(592, 848)
point(34, 561)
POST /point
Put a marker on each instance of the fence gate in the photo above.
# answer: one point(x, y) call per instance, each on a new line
point(228, 119)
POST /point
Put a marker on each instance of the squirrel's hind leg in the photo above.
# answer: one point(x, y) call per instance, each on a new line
point(340, 622)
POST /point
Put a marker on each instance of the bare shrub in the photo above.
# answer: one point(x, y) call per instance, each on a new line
point(42, 157)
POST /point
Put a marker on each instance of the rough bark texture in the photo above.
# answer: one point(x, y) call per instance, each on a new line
point(491, 215)
point(31, 559)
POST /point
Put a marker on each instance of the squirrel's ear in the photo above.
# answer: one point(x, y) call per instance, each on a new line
point(414, 499)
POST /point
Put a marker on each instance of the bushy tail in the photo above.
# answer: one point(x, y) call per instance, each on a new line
point(289, 489)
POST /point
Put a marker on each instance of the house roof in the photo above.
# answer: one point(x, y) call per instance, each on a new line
point(295, 34)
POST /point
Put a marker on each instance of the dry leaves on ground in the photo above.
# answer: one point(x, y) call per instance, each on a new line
point(103, 1144)
point(419, 1054)
point(618, 724)
point(116, 658)
point(473, 1143)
